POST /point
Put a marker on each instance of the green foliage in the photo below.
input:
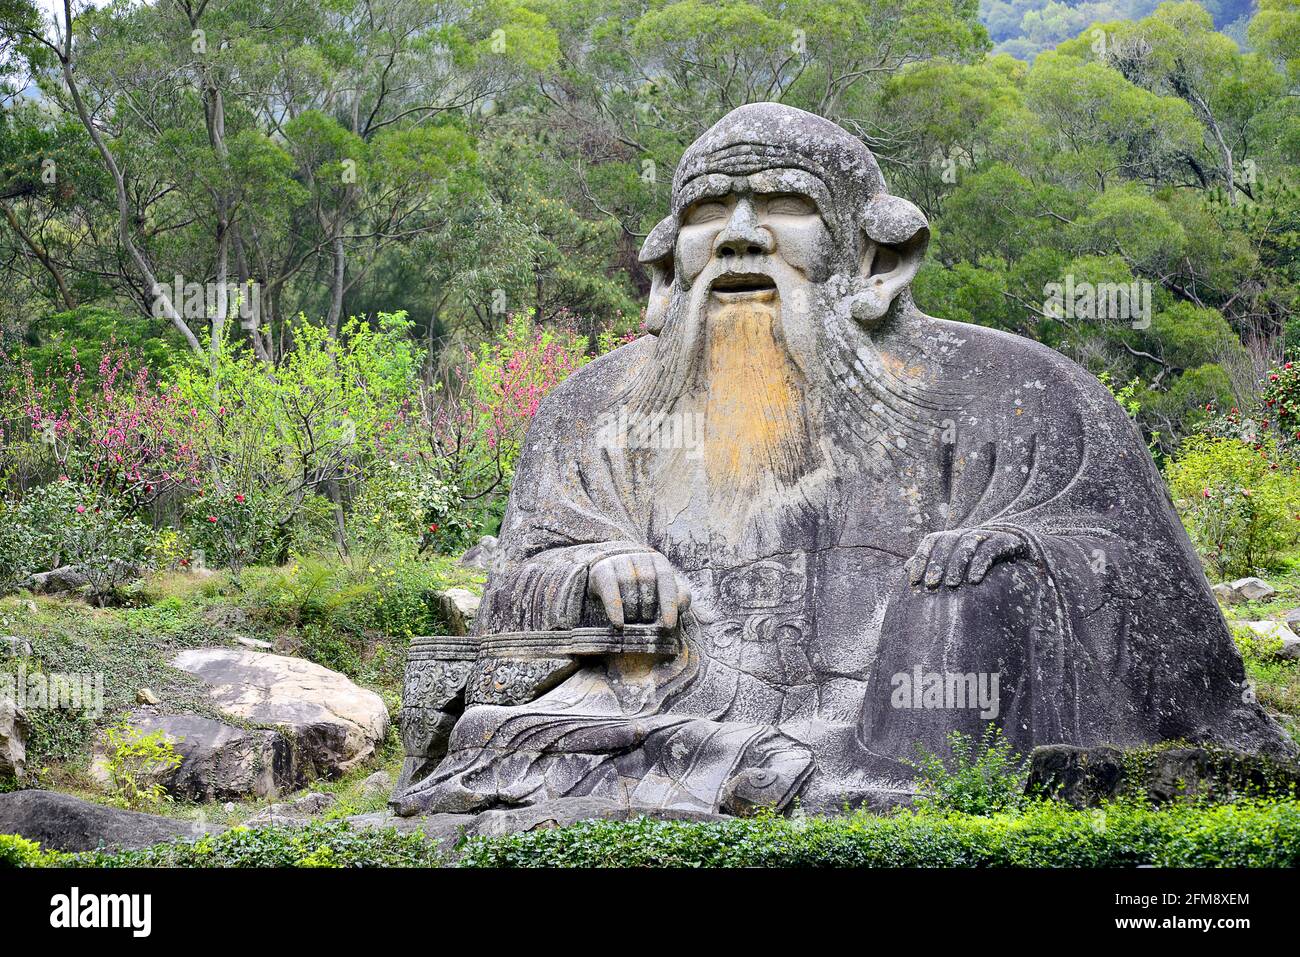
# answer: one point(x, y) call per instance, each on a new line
point(67, 523)
point(977, 777)
point(1241, 507)
point(1044, 834)
point(135, 763)
point(16, 851)
point(318, 844)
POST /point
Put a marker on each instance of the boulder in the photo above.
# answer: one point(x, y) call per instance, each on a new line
point(57, 581)
point(146, 696)
point(1223, 591)
point(61, 822)
point(297, 811)
point(379, 783)
point(1087, 777)
point(484, 555)
point(219, 762)
point(13, 739)
point(1253, 589)
point(13, 647)
point(333, 724)
point(459, 606)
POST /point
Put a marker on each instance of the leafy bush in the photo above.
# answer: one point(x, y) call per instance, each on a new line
point(977, 778)
point(16, 851)
point(1044, 834)
point(318, 844)
point(71, 523)
point(1240, 503)
point(136, 762)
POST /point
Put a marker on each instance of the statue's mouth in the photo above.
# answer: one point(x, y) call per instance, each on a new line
point(743, 285)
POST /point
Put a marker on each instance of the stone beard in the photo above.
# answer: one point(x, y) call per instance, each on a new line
point(851, 493)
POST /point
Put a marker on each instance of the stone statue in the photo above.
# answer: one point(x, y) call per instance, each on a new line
point(764, 551)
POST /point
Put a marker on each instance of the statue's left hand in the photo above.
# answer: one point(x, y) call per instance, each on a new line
point(962, 555)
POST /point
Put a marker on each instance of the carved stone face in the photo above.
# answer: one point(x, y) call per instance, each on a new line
point(745, 235)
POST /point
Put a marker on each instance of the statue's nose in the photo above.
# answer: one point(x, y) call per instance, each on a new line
point(743, 236)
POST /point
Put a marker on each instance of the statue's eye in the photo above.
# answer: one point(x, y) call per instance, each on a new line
point(706, 211)
point(790, 206)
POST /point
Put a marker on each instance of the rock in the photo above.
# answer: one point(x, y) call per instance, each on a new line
point(1253, 589)
point(1292, 619)
point(14, 647)
point(565, 811)
point(1224, 592)
point(14, 728)
point(333, 724)
point(68, 578)
point(61, 822)
point(256, 644)
point(295, 811)
point(145, 696)
point(484, 555)
point(228, 807)
point(459, 606)
point(219, 762)
point(1087, 777)
point(1277, 631)
point(444, 830)
point(379, 783)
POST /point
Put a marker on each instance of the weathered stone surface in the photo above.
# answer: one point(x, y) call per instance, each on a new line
point(566, 811)
point(1253, 589)
point(14, 647)
point(870, 527)
point(1225, 593)
point(13, 739)
point(61, 822)
point(297, 811)
point(334, 725)
point(459, 606)
point(219, 762)
point(256, 644)
point(1087, 777)
point(68, 578)
point(146, 696)
point(377, 784)
point(484, 555)
point(444, 830)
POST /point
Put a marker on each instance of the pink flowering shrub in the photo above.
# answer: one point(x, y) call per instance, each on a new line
point(111, 426)
point(472, 426)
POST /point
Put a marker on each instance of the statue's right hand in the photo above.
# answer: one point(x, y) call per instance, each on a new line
point(638, 588)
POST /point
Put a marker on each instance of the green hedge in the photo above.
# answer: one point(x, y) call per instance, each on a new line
point(1044, 835)
point(1248, 834)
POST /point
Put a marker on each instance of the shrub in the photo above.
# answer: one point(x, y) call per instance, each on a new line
point(19, 852)
point(978, 777)
point(1045, 834)
point(318, 844)
point(136, 762)
point(71, 523)
point(1240, 503)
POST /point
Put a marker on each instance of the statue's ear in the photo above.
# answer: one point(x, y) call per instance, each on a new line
point(897, 236)
point(657, 256)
